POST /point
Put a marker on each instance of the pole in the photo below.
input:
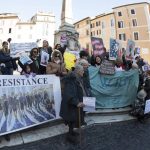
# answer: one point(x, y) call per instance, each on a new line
point(79, 124)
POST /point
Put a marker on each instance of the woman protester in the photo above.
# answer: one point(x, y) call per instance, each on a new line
point(72, 101)
point(56, 66)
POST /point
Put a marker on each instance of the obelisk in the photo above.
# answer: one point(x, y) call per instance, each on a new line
point(66, 14)
point(67, 35)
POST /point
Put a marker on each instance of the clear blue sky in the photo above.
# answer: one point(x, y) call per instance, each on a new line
point(81, 8)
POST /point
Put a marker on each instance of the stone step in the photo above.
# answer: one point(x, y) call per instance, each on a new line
point(55, 128)
point(108, 111)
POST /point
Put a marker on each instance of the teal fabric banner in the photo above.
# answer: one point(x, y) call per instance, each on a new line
point(114, 91)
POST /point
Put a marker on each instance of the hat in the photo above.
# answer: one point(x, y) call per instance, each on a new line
point(141, 94)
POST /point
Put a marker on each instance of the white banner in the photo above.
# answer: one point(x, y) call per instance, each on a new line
point(27, 102)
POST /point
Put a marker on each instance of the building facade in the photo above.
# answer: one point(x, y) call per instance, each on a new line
point(40, 27)
point(130, 21)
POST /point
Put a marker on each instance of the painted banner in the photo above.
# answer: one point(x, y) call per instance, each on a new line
point(16, 48)
point(27, 102)
point(114, 91)
point(130, 50)
point(98, 46)
point(115, 49)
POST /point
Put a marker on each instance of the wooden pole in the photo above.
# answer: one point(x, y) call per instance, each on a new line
point(79, 111)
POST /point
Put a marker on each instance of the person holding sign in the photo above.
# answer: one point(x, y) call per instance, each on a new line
point(72, 100)
point(45, 54)
point(7, 63)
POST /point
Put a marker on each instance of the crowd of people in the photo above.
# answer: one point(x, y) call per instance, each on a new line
point(75, 83)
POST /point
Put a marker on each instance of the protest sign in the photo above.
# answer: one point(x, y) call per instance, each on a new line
point(98, 46)
point(21, 47)
point(89, 103)
point(130, 50)
point(27, 102)
point(107, 67)
point(44, 58)
point(63, 39)
point(147, 107)
point(146, 68)
point(115, 49)
point(25, 59)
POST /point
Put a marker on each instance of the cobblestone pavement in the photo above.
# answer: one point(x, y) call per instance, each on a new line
point(130, 135)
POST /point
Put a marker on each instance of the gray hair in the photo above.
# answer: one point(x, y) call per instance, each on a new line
point(78, 67)
point(82, 62)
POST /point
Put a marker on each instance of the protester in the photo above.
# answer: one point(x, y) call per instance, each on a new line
point(60, 48)
point(56, 66)
point(72, 100)
point(46, 48)
point(97, 61)
point(147, 85)
point(35, 58)
point(27, 71)
point(7, 63)
point(139, 106)
point(86, 79)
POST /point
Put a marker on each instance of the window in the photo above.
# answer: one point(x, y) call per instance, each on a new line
point(112, 22)
point(91, 26)
point(103, 25)
point(119, 13)
point(9, 30)
point(132, 11)
point(91, 34)
point(134, 22)
point(136, 36)
point(97, 32)
point(122, 37)
point(87, 32)
point(120, 24)
point(97, 24)
point(77, 25)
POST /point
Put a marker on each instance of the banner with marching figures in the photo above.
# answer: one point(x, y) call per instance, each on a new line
point(27, 102)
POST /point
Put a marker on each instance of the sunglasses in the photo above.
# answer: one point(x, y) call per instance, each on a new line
point(57, 56)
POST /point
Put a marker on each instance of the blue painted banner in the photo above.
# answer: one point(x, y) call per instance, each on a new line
point(114, 91)
point(27, 102)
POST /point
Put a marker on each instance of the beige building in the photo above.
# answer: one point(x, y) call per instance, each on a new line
point(130, 21)
point(84, 30)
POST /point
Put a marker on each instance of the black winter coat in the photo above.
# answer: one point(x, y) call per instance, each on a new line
point(72, 94)
point(10, 64)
